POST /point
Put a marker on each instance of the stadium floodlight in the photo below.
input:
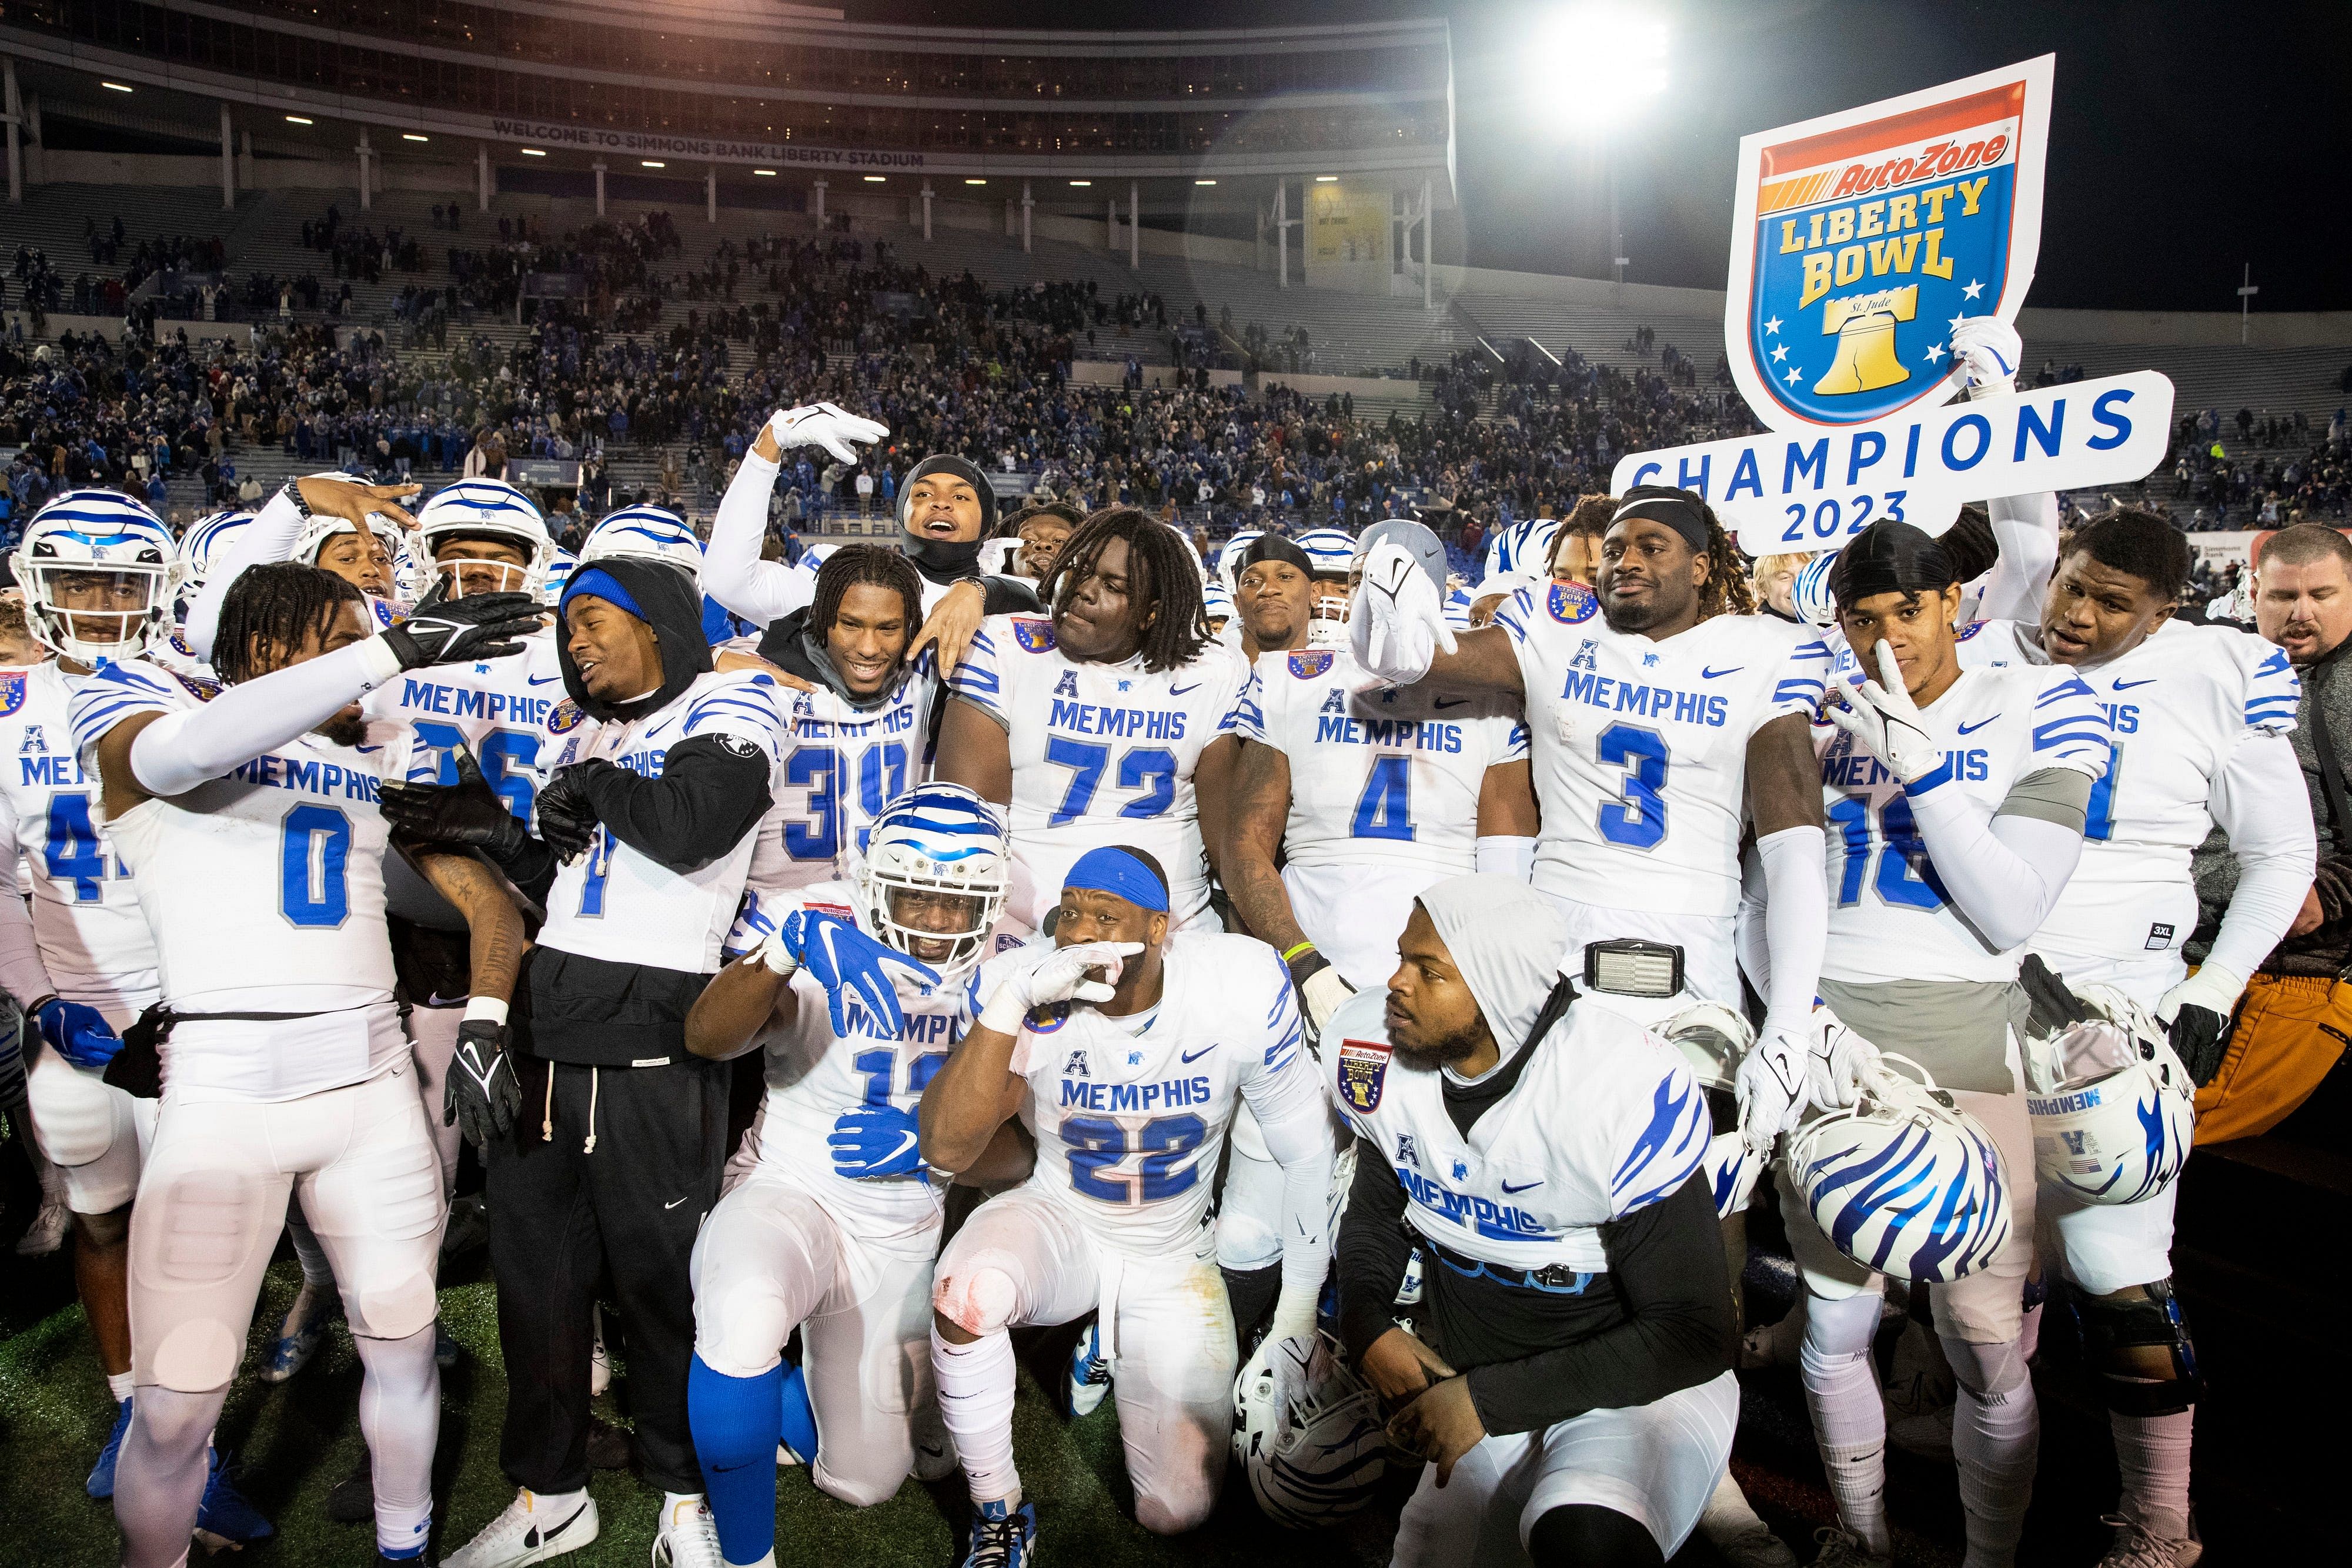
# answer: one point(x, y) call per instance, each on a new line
point(1611, 58)
point(115, 86)
point(651, 163)
point(412, 136)
point(534, 152)
point(299, 120)
point(1204, 181)
point(1326, 179)
point(875, 179)
point(1082, 183)
point(975, 181)
point(770, 173)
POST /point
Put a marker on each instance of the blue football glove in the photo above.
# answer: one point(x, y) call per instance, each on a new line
point(875, 1140)
point(840, 956)
point(77, 1032)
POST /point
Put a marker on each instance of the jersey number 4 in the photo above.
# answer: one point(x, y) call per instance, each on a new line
point(74, 852)
point(1098, 1143)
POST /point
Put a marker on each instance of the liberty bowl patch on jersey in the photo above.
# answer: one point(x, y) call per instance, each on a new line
point(1572, 603)
point(1035, 636)
point(564, 717)
point(11, 692)
point(1363, 1072)
point(1306, 665)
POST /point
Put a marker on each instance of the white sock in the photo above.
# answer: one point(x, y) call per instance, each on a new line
point(400, 1417)
point(976, 1383)
point(557, 1506)
point(2152, 1454)
point(118, 1384)
point(1996, 1440)
point(1849, 1416)
point(1727, 1516)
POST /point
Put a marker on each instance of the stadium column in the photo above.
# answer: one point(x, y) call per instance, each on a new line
point(15, 105)
point(818, 186)
point(367, 183)
point(228, 160)
point(599, 167)
point(927, 209)
point(1134, 225)
point(1428, 245)
point(1282, 233)
point(482, 177)
point(1025, 205)
point(710, 194)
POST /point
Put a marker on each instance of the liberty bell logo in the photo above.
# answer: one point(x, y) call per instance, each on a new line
point(1864, 326)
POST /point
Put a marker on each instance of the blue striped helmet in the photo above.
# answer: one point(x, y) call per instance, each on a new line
point(645, 533)
point(1809, 594)
point(940, 848)
point(201, 546)
point(2109, 1136)
point(493, 510)
point(1308, 1433)
point(96, 568)
point(1903, 1183)
point(558, 572)
point(1332, 551)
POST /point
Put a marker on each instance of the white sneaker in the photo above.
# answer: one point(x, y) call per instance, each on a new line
point(524, 1533)
point(600, 1361)
point(1754, 1547)
point(1840, 1550)
point(2136, 1546)
point(689, 1538)
point(48, 1232)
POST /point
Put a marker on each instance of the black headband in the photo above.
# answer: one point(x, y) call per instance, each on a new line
point(1678, 509)
point(1274, 547)
point(1890, 557)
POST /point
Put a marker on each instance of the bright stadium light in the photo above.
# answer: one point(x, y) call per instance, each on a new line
point(770, 173)
point(114, 86)
point(299, 120)
point(975, 181)
point(875, 179)
point(534, 152)
point(1599, 60)
point(651, 163)
point(1326, 179)
point(1082, 184)
point(412, 136)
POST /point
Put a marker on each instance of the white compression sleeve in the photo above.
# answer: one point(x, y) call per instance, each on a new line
point(1296, 1124)
point(1796, 922)
point(2260, 800)
point(270, 537)
point(21, 969)
point(761, 591)
point(2026, 528)
point(1506, 854)
point(2004, 873)
point(183, 749)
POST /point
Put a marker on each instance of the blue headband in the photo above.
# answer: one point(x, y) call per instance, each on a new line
point(1121, 874)
point(597, 583)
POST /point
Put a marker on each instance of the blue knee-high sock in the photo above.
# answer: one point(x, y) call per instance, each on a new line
point(800, 1420)
point(736, 1423)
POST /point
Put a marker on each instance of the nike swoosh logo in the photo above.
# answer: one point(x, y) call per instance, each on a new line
point(1705, 674)
point(539, 680)
point(673, 1203)
point(2126, 685)
point(1179, 691)
point(542, 1537)
point(367, 748)
point(1457, 702)
point(1196, 1056)
point(437, 1000)
point(1523, 1186)
point(906, 1142)
point(1972, 728)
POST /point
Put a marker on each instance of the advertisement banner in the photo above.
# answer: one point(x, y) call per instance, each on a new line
point(1860, 239)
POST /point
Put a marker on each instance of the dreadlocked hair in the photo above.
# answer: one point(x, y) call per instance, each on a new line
point(847, 568)
point(1727, 590)
point(1163, 583)
point(271, 611)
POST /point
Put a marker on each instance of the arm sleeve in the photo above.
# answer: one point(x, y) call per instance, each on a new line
point(1373, 1250)
point(707, 798)
point(21, 969)
point(761, 591)
point(270, 537)
point(1009, 596)
point(2026, 528)
point(1796, 922)
point(191, 746)
point(2004, 871)
point(1666, 1267)
point(2259, 799)
point(1287, 1101)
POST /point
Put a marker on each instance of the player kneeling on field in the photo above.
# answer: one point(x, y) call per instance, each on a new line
point(1548, 1154)
point(1122, 1049)
point(834, 1228)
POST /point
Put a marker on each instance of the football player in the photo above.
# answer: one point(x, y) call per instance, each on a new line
point(1122, 1049)
point(1274, 592)
point(1579, 1401)
point(2202, 717)
point(208, 542)
point(258, 858)
point(362, 553)
point(1960, 799)
point(1108, 723)
point(834, 1228)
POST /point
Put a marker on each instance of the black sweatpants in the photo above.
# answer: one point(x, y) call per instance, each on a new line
point(560, 1213)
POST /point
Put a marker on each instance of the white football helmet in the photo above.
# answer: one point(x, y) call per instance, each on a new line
point(1229, 560)
point(645, 533)
point(1902, 1182)
point(96, 568)
point(1215, 601)
point(1809, 592)
point(199, 548)
point(1332, 552)
point(487, 510)
point(1712, 1039)
point(318, 530)
point(558, 572)
point(942, 842)
point(1733, 1168)
point(2109, 1135)
point(1308, 1433)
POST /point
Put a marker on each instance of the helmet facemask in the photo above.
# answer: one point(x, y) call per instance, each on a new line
point(1327, 612)
point(938, 915)
point(94, 611)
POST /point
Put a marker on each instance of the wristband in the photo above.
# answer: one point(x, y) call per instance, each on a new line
point(1292, 953)
point(292, 491)
point(1004, 1013)
point(486, 1010)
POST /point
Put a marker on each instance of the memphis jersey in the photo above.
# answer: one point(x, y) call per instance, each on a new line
point(1888, 916)
point(499, 709)
point(1641, 746)
point(1129, 1120)
point(2179, 704)
point(616, 904)
point(1102, 753)
point(87, 922)
point(175, 654)
point(1385, 787)
point(264, 888)
point(843, 765)
point(1607, 1120)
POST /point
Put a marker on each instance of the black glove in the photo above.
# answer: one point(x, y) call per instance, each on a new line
point(2054, 1005)
point(484, 626)
point(567, 816)
point(2201, 1038)
point(483, 1096)
point(468, 812)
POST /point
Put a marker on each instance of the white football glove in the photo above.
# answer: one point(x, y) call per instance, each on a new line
point(1400, 627)
point(1836, 1062)
point(1770, 1086)
point(1058, 976)
point(828, 426)
point(1325, 990)
point(1880, 716)
point(1986, 352)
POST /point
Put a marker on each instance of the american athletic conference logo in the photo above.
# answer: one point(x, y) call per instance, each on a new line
point(1862, 241)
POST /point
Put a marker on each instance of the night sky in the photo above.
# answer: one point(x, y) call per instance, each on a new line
point(2187, 140)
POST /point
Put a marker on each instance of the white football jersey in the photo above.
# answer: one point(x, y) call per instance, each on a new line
point(1385, 787)
point(87, 922)
point(1606, 1120)
point(263, 889)
point(615, 904)
point(2179, 704)
point(499, 709)
point(1102, 753)
point(1888, 917)
point(842, 766)
point(172, 651)
point(1641, 746)
point(1131, 1114)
